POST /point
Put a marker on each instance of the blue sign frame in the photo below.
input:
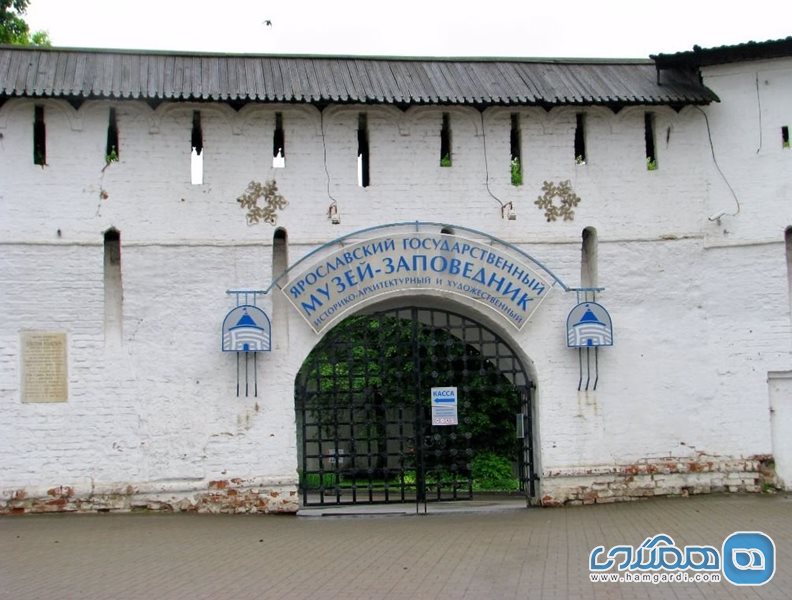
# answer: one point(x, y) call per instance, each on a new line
point(589, 326)
point(246, 328)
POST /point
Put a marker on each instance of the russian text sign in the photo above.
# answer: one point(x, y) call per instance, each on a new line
point(359, 272)
point(444, 406)
point(44, 366)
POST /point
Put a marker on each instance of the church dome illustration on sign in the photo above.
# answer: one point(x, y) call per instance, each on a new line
point(589, 325)
point(246, 329)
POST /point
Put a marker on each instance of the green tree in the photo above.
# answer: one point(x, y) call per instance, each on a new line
point(13, 28)
point(368, 363)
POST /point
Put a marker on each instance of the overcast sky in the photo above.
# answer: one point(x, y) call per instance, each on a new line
point(528, 28)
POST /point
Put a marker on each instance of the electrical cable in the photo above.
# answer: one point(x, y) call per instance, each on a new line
point(324, 155)
point(486, 164)
point(717, 166)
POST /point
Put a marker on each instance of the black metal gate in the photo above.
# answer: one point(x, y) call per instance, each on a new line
point(364, 419)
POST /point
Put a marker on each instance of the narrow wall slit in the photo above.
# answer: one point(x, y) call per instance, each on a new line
point(785, 136)
point(363, 153)
point(445, 142)
point(112, 147)
point(39, 137)
point(278, 143)
point(515, 143)
point(589, 373)
point(588, 259)
point(196, 155)
point(113, 289)
point(280, 305)
point(649, 137)
point(580, 139)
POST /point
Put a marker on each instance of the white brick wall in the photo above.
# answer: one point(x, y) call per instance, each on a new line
point(700, 308)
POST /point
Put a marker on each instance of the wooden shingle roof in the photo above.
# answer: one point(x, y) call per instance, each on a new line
point(706, 57)
point(76, 73)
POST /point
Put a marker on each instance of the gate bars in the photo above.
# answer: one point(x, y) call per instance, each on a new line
point(362, 401)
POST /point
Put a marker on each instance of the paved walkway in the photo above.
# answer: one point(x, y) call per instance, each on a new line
point(487, 554)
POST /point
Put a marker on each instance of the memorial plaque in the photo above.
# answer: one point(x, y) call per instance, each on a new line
point(44, 366)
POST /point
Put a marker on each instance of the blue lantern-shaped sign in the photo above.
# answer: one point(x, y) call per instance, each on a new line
point(247, 331)
point(589, 326)
point(247, 328)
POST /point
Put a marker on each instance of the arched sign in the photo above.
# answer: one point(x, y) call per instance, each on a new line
point(589, 325)
point(489, 276)
point(247, 329)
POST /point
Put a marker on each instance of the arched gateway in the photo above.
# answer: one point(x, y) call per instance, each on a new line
point(367, 429)
point(414, 402)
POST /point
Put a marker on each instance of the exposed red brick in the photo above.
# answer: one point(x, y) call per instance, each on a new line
point(550, 502)
point(61, 491)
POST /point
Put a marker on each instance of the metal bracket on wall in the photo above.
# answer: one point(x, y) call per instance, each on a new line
point(246, 331)
point(588, 295)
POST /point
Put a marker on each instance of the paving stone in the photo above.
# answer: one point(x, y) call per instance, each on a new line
point(488, 551)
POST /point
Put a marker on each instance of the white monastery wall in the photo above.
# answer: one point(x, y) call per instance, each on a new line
point(746, 132)
point(149, 190)
point(700, 308)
